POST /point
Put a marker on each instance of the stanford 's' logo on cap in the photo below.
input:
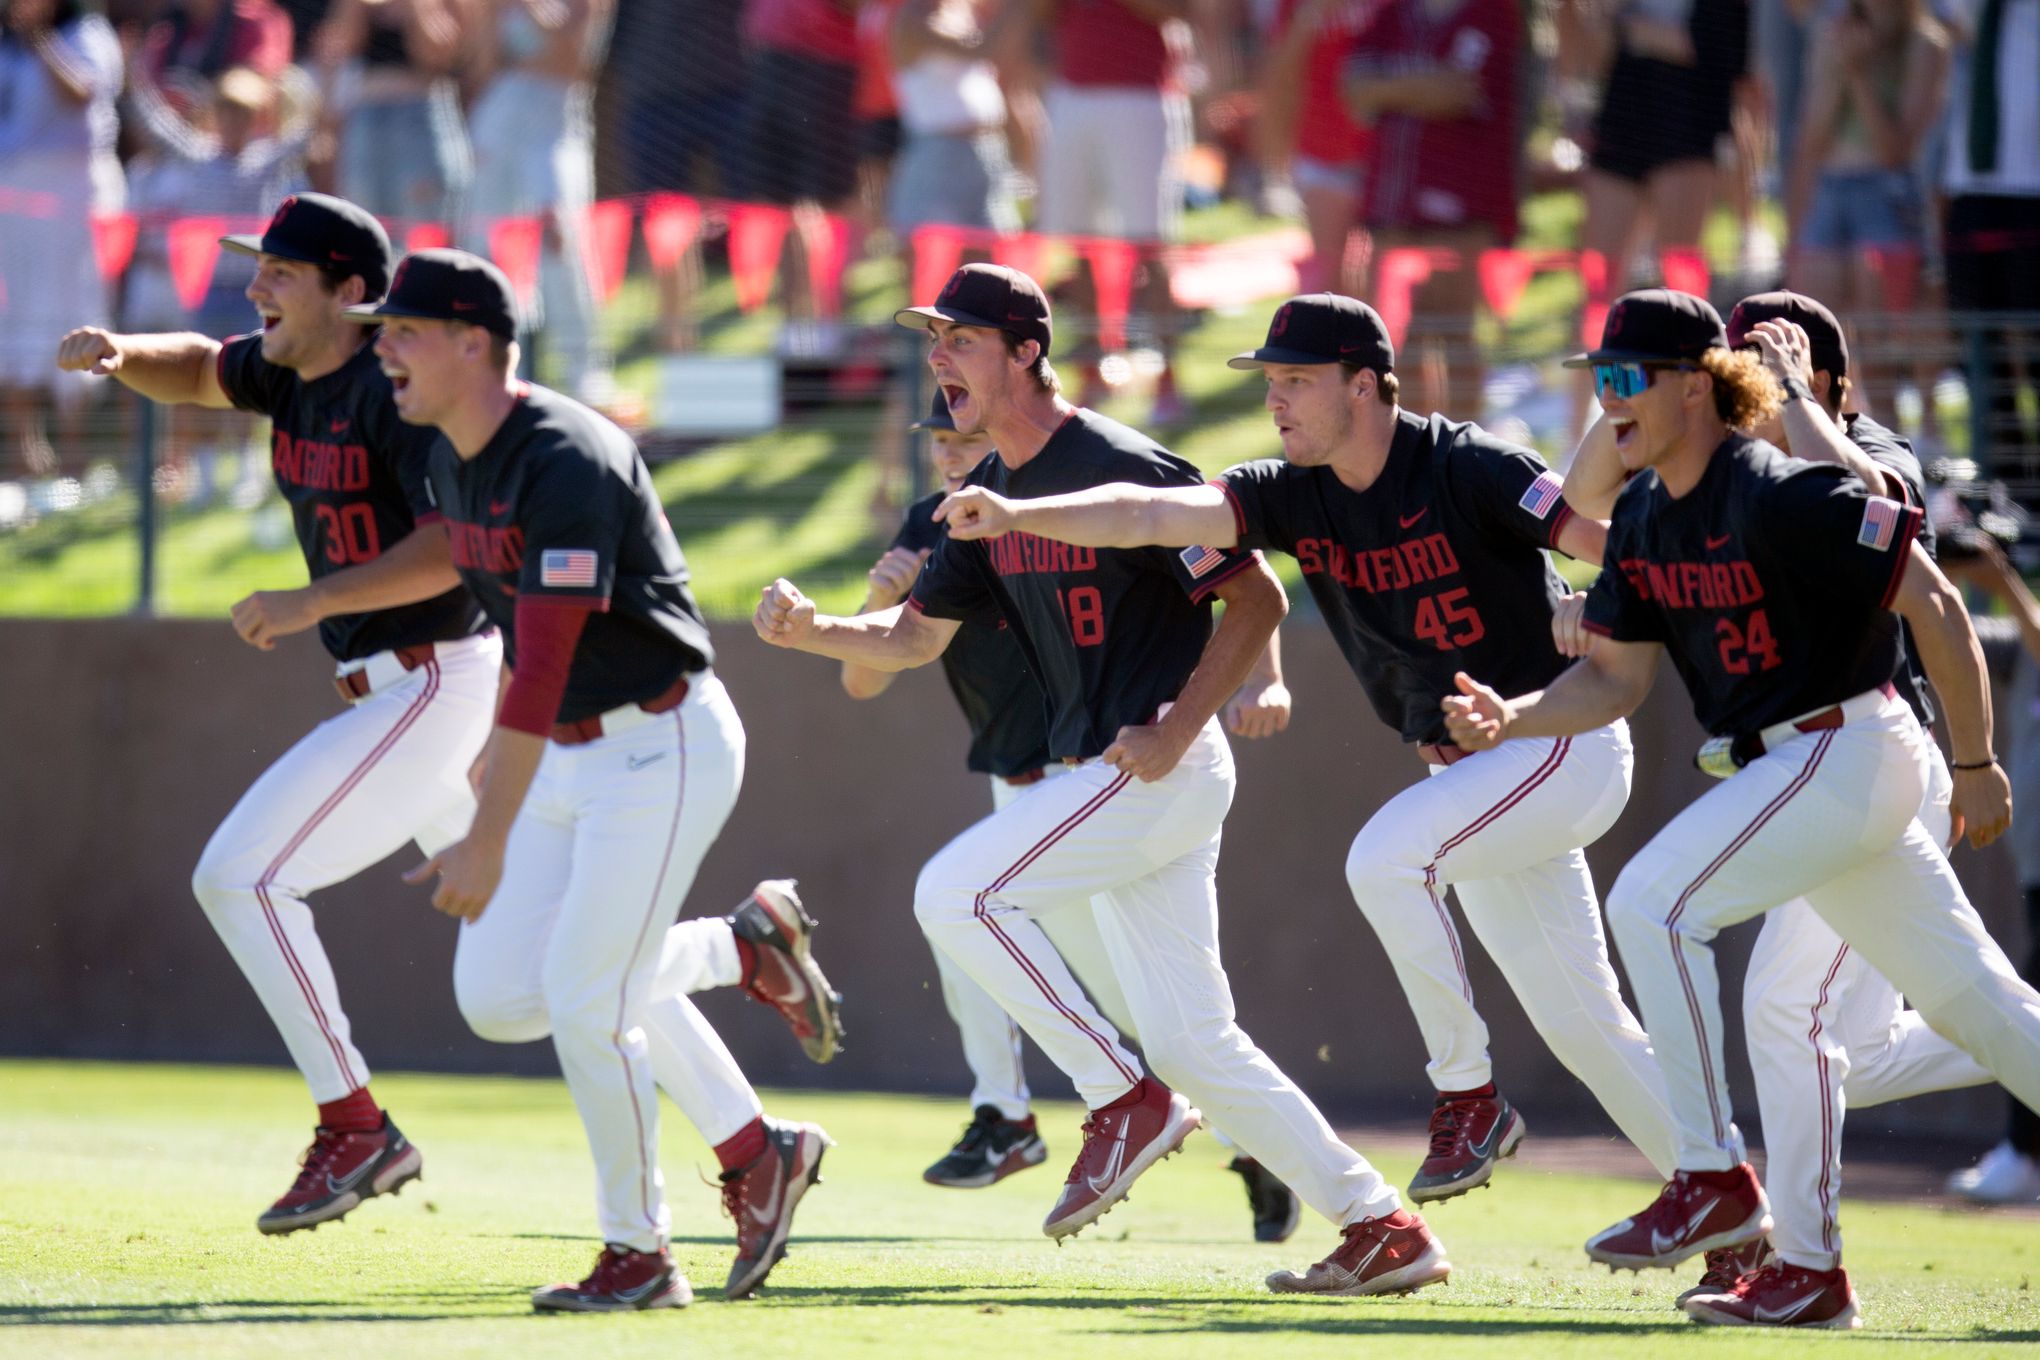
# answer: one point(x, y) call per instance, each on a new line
point(1281, 322)
point(949, 288)
point(1614, 328)
point(398, 282)
point(282, 211)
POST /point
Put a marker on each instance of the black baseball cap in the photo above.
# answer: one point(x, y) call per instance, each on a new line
point(938, 417)
point(1323, 328)
point(320, 229)
point(447, 285)
point(1656, 326)
point(988, 295)
point(1829, 350)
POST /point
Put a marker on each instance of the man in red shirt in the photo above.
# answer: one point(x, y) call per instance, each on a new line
point(1304, 121)
point(1437, 81)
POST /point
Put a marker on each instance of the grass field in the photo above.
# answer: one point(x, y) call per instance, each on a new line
point(128, 1196)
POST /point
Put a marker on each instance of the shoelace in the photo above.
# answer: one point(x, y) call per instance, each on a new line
point(977, 1133)
point(1094, 1125)
point(1761, 1278)
point(1724, 1269)
point(317, 1158)
point(1447, 1122)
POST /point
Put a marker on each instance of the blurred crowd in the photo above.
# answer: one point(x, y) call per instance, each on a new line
point(1883, 155)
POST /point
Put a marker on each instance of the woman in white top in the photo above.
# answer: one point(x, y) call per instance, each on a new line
point(953, 167)
point(60, 71)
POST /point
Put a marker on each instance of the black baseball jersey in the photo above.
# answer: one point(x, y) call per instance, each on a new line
point(1770, 583)
point(1435, 568)
point(1895, 454)
point(354, 474)
point(987, 672)
point(559, 507)
point(1112, 632)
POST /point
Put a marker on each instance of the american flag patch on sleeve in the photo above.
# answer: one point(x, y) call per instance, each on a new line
point(1880, 522)
point(1200, 560)
point(1543, 494)
point(567, 568)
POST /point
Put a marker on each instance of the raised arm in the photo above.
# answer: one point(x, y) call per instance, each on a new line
point(1254, 606)
point(181, 369)
point(1120, 515)
point(1608, 683)
point(895, 639)
point(1954, 662)
point(1814, 436)
point(1595, 476)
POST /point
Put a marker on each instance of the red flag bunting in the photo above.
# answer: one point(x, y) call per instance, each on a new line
point(427, 236)
point(672, 221)
point(1504, 274)
point(113, 242)
point(757, 231)
point(1594, 279)
point(827, 238)
point(1112, 265)
point(1396, 277)
point(936, 252)
point(1685, 269)
point(1026, 252)
point(608, 251)
point(194, 246)
point(514, 244)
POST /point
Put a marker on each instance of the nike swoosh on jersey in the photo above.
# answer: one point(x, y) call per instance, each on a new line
point(1407, 520)
point(499, 507)
point(1661, 1243)
point(1785, 1314)
point(1714, 543)
point(1100, 1184)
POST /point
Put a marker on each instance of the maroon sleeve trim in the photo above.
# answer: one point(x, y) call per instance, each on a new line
point(1558, 522)
point(546, 639)
point(1597, 629)
point(1232, 498)
point(914, 603)
point(1908, 530)
point(1204, 589)
point(585, 604)
point(219, 365)
point(431, 517)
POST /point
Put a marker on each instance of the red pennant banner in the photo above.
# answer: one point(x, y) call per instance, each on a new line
point(427, 236)
point(1594, 279)
point(113, 242)
point(672, 221)
point(1396, 277)
point(828, 254)
point(608, 251)
point(757, 231)
point(1504, 274)
point(1027, 253)
point(1685, 269)
point(194, 244)
point(937, 250)
point(1112, 265)
point(515, 244)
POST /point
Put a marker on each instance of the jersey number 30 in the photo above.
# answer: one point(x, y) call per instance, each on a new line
point(1447, 621)
point(349, 533)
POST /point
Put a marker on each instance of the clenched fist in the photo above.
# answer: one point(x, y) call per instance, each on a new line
point(1477, 717)
point(785, 617)
point(892, 577)
point(88, 350)
point(974, 512)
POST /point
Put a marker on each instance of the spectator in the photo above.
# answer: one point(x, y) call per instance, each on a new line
point(800, 140)
point(60, 73)
point(198, 41)
point(1877, 77)
point(1438, 80)
point(534, 157)
point(1992, 238)
point(1304, 121)
point(954, 167)
point(391, 103)
point(679, 93)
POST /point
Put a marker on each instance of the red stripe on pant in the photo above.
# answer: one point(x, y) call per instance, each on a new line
point(1693, 1009)
point(982, 913)
point(1552, 760)
point(637, 1113)
point(304, 832)
point(1827, 1105)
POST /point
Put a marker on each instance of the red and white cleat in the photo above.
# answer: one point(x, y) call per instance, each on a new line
point(1394, 1254)
point(761, 1198)
point(339, 1171)
point(1696, 1211)
point(623, 1281)
point(1782, 1295)
point(1119, 1144)
point(785, 975)
point(1726, 1265)
point(1468, 1136)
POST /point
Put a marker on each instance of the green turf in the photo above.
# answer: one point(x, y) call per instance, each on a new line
point(128, 1195)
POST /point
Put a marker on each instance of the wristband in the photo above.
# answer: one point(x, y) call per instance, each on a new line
point(1980, 765)
point(1795, 388)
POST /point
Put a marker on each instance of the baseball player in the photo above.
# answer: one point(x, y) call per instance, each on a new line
point(419, 678)
point(1833, 1032)
point(1122, 642)
point(613, 762)
point(1423, 541)
point(987, 673)
point(1769, 581)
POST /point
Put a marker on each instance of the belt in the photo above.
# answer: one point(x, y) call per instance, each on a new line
point(380, 670)
point(1723, 756)
point(584, 730)
point(1442, 753)
point(1025, 777)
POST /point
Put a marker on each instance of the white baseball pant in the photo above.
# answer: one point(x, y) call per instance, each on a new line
point(1151, 851)
point(605, 848)
point(1826, 1031)
point(1830, 816)
point(389, 769)
point(1503, 828)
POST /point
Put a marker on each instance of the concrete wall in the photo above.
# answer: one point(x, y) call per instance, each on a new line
point(124, 742)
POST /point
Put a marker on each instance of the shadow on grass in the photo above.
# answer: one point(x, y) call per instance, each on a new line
point(434, 1306)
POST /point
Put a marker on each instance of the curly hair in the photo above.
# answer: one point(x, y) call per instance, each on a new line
point(1745, 393)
